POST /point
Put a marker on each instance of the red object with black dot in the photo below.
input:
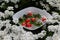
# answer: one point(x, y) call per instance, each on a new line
point(28, 25)
point(33, 19)
point(27, 20)
point(24, 24)
point(43, 19)
point(30, 13)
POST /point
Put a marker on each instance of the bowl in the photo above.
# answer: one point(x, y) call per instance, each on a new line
point(34, 10)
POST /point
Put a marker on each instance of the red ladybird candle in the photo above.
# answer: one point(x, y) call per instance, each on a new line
point(43, 19)
point(28, 25)
point(27, 20)
point(24, 24)
point(33, 19)
point(29, 13)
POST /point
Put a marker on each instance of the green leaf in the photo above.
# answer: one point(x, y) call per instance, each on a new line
point(37, 15)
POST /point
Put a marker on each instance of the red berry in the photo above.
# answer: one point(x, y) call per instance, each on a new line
point(27, 20)
point(29, 13)
point(33, 19)
point(43, 19)
point(24, 24)
point(28, 25)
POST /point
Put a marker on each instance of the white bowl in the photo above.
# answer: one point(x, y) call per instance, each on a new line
point(34, 10)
